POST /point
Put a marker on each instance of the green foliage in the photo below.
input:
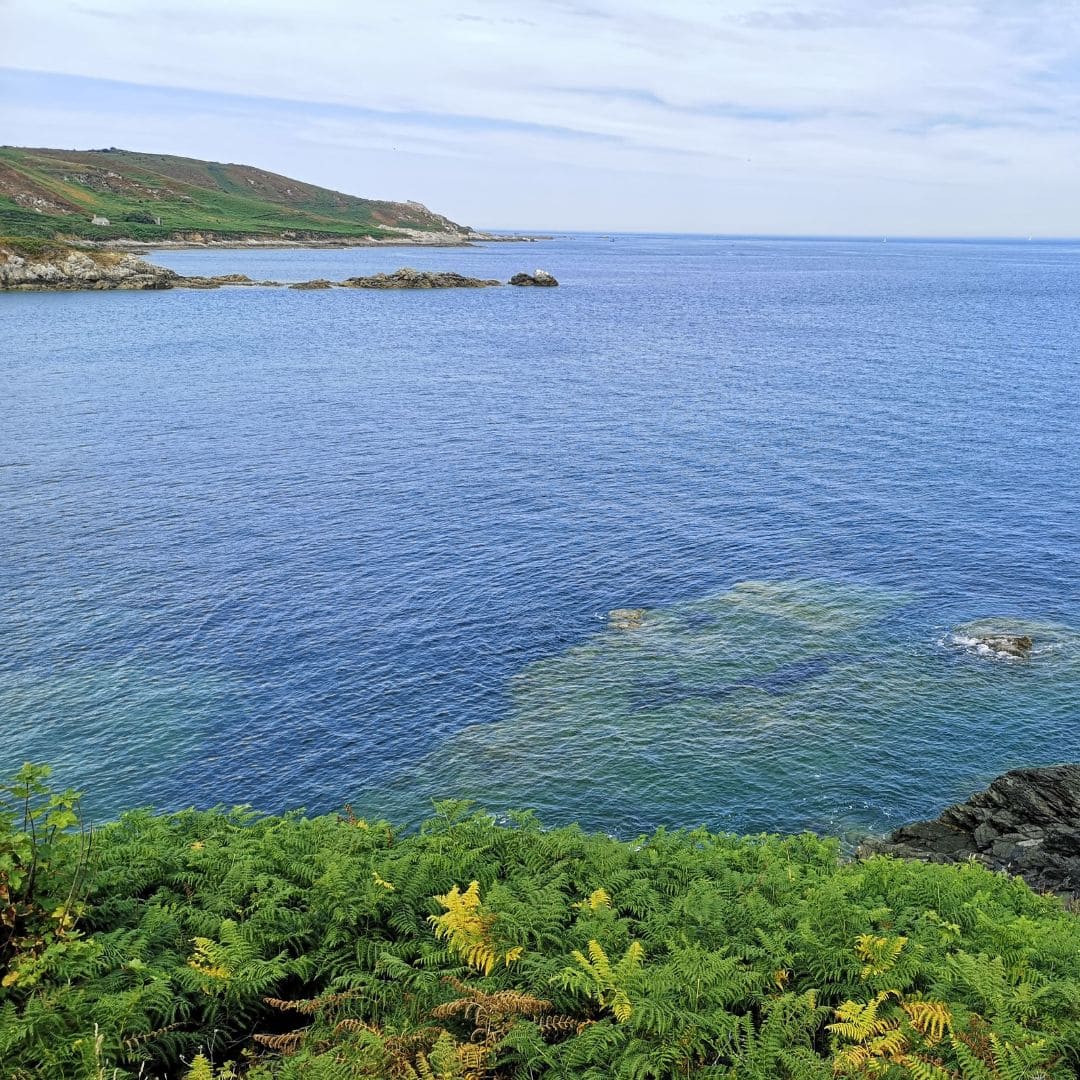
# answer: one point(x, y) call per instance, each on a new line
point(41, 879)
point(33, 247)
point(224, 943)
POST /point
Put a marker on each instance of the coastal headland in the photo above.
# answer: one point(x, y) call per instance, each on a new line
point(121, 199)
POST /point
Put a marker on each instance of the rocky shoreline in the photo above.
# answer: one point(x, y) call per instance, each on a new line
point(1027, 822)
point(413, 238)
point(69, 269)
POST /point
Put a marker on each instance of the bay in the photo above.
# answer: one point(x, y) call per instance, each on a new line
point(302, 548)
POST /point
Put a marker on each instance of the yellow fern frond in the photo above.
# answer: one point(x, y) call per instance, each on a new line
point(609, 981)
point(599, 959)
point(201, 1068)
point(891, 1044)
point(596, 900)
point(878, 954)
point(380, 882)
point(930, 1018)
point(851, 1059)
point(205, 960)
point(467, 929)
point(858, 1021)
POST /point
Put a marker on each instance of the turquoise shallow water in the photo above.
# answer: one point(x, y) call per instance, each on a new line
point(306, 548)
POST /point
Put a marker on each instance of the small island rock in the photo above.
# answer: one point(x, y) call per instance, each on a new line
point(407, 278)
point(541, 277)
point(1007, 644)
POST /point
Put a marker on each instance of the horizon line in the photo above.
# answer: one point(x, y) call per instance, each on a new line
point(853, 237)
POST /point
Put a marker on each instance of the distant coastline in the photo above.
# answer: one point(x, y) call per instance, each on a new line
point(469, 239)
point(112, 199)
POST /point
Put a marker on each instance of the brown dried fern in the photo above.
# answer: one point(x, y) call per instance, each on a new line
point(283, 1044)
point(135, 1041)
point(310, 1006)
point(494, 1014)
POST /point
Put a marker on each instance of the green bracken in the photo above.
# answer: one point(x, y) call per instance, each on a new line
point(228, 944)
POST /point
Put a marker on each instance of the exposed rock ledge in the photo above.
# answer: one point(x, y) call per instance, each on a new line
point(32, 267)
point(407, 278)
point(50, 269)
point(1026, 822)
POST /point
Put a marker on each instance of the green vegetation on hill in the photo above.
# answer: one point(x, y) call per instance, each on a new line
point(57, 193)
point(219, 944)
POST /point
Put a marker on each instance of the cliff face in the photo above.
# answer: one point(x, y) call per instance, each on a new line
point(26, 270)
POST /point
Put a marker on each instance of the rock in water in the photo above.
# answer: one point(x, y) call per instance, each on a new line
point(1026, 822)
point(1007, 645)
point(407, 278)
point(626, 618)
point(318, 283)
point(541, 277)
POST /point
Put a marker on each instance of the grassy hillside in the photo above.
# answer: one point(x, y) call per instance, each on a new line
point(57, 193)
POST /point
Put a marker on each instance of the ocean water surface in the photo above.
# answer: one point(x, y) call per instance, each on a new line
point(305, 548)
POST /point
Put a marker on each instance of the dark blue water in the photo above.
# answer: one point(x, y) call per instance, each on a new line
point(299, 548)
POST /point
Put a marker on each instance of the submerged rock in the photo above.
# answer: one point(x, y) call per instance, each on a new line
point(1027, 822)
point(407, 278)
point(625, 618)
point(318, 283)
point(541, 277)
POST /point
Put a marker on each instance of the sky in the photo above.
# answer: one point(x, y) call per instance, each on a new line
point(818, 117)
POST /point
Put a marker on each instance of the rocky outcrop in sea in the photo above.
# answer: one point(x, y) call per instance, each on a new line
point(53, 268)
point(72, 269)
point(1027, 822)
point(541, 277)
point(407, 278)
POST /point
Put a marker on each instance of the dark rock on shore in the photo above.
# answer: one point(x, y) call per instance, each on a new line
point(541, 277)
point(1027, 822)
point(407, 278)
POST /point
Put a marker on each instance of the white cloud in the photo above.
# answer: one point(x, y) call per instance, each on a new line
point(749, 107)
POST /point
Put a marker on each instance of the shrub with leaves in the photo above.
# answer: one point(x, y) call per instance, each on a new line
point(226, 944)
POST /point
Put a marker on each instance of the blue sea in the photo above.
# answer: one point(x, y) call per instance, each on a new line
point(291, 548)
